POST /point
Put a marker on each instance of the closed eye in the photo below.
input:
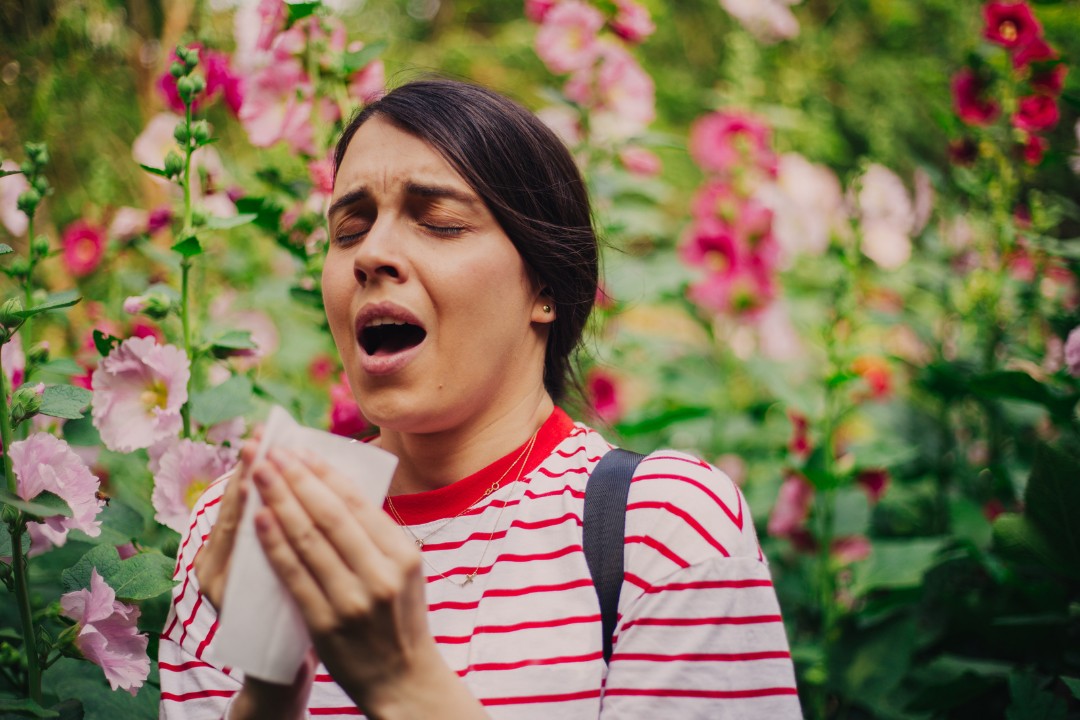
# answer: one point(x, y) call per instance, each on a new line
point(349, 239)
point(444, 230)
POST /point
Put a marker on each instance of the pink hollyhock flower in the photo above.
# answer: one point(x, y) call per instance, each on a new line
point(799, 443)
point(321, 173)
point(722, 141)
point(712, 245)
point(566, 41)
point(84, 247)
point(625, 92)
point(1035, 51)
point(166, 84)
point(876, 373)
point(924, 199)
point(135, 304)
point(160, 218)
point(537, 10)
point(874, 482)
point(229, 431)
point(970, 101)
point(807, 205)
point(1035, 113)
point(11, 187)
point(602, 390)
point(639, 161)
point(564, 122)
point(770, 21)
point(108, 633)
point(143, 328)
point(272, 18)
point(368, 84)
point(185, 470)
point(125, 551)
point(45, 462)
point(1072, 352)
point(14, 361)
point(632, 21)
point(345, 416)
point(272, 112)
point(220, 77)
point(155, 142)
point(743, 289)
point(887, 217)
point(733, 466)
point(792, 506)
point(138, 392)
point(128, 223)
point(1051, 82)
point(850, 548)
point(321, 368)
point(1034, 149)
point(1010, 24)
point(777, 337)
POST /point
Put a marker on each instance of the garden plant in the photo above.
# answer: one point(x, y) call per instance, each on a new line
point(841, 263)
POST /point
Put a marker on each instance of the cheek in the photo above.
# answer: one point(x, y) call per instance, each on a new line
point(338, 285)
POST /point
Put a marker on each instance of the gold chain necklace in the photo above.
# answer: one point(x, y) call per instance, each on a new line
point(494, 486)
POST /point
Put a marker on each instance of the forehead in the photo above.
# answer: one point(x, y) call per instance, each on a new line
point(382, 158)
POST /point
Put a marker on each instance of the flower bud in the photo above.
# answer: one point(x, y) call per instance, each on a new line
point(186, 88)
point(41, 184)
point(197, 84)
point(38, 153)
point(40, 246)
point(5, 573)
point(177, 70)
point(201, 132)
point(156, 305)
point(198, 216)
point(39, 352)
point(27, 167)
point(181, 133)
point(25, 402)
point(9, 514)
point(28, 201)
point(20, 267)
point(8, 310)
point(191, 58)
point(173, 164)
point(135, 304)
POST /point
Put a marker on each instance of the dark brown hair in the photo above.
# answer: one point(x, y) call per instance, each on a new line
point(530, 183)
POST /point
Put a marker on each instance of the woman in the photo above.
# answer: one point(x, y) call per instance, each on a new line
point(462, 268)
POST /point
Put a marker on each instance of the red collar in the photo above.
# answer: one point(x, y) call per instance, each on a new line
point(446, 502)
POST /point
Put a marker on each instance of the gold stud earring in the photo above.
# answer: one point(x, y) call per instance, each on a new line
point(547, 308)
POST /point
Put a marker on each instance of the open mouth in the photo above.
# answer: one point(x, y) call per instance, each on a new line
point(390, 337)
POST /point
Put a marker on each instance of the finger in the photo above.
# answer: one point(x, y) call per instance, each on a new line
point(251, 447)
point(301, 532)
point(340, 525)
point(294, 574)
point(380, 527)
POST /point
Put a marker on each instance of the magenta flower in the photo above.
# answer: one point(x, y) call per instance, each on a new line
point(138, 392)
point(321, 173)
point(159, 219)
point(272, 112)
point(850, 548)
point(632, 22)
point(272, 17)
point(166, 84)
point(744, 289)
point(723, 141)
point(345, 416)
point(792, 506)
point(970, 101)
point(14, 361)
point(1051, 82)
point(11, 187)
point(537, 10)
point(1035, 113)
point(1010, 24)
point(368, 84)
point(639, 161)
point(84, 247)
point(1072, 352)
point(603, 393)
point(108, 634)
point(874, 482)
point(566, 41)
point(220, 77)
point(1038, 50)
point(1034, 149)
point(45, 462)
point(185, 470)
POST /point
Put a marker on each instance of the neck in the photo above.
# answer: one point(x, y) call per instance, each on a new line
point(428, 461)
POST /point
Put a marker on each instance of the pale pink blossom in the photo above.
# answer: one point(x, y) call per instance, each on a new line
point(108, 633)
point(272, 18)
point(564, 122)
point(127, 550)
point(632, 21)
point(770, 21)
point(626, 94)
point(566, 41)
point(368, 84)
point(219, 204)
point(777, 338)
point(887, 217)
point(807, 205)
point(135, 304)
point(1054, 358)
point(155, 142)
point(723, 141)
point(924, 200)
point(639, 161)
point(792, 506)
point(11, 187)
point(185, 470)
point(128, 223)
point(272, 112)
point(321, 173)
point(44, 462)
point(850, 548)
point(139, 390)
point(229, 431)
point(14, 361)
point(159, 448)
point(1072, 352)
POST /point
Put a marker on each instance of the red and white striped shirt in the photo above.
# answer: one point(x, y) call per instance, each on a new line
point(699, 632)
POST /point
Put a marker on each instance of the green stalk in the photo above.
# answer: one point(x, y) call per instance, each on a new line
point(28, 287)
point(6, 434)
point(185, 267)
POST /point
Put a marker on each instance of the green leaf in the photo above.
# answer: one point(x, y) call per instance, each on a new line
point(234, 340)
point(82, 433)
point(1016, 537)
point(219, 223)
point(120, 524)
point(70, 709)
point(1051, 499)
point(141, 577)
point(224, 402)
point(26, 706)
point(1030, 702)
point(661, 421)
point(312, 298)
point(851, 512)
point(105, 343)
point(300, 10)
point(896, 564)
point(43, 505)
point(5, 248)
point(65, 401)
point(1017, 385)
point(154, 170)
point(1072, 100)
point(267, 213)
point(70, 678)
point(47, 306)
point(61, 366)
point(5, 541)
point(188, 247)
point(1073, 684)
point(358, 60)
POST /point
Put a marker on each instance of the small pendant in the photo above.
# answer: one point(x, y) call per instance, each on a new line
point(419, 543)
point(468, 579)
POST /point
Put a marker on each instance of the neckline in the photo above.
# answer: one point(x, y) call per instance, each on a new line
point(448, 501)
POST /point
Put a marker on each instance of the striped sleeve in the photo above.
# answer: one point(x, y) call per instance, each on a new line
point(192, 688)
point(699, 633)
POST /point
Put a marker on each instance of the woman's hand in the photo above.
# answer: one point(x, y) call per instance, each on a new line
point(260, 700)
point(358, 583)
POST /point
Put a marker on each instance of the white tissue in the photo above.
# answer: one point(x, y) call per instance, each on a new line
point(261, 630)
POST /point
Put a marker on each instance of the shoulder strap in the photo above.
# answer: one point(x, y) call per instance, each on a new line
point(603, 530)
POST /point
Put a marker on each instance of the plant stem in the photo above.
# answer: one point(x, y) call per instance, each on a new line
point(22, 597)
point(6, 437)
point(28, 287)
point(185, 314)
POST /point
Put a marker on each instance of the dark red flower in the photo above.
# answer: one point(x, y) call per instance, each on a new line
point(1035, 51)
point(963, 152)
point(1035, 113)
point(992, 509)
point(160, 218)
point(874, 482)
point(799, 444)
point(972, 107)
point(1022, 216)
point(1010, 24)
point(1034, 149)
point(1051, 82)
point(603, 392)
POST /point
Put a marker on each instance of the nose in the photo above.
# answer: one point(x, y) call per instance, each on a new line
point(379, 256)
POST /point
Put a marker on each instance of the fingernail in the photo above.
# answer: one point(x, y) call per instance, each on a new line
point(262, 522)
point(260, 478)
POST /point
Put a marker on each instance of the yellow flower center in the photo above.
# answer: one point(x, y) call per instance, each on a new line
point(195, 490)
point(1008, 31)
point(716, 261)
point(157, 395)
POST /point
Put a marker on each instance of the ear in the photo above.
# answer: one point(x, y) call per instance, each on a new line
point(543, 308)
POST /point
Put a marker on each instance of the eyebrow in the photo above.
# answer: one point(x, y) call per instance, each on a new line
point(411, 188)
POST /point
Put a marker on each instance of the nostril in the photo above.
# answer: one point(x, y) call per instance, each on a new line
point(389, 270)
point(361, 276)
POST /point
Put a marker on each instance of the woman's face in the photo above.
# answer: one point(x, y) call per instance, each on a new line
point(429, 302)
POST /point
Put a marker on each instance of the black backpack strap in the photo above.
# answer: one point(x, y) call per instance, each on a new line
point(603, 531)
